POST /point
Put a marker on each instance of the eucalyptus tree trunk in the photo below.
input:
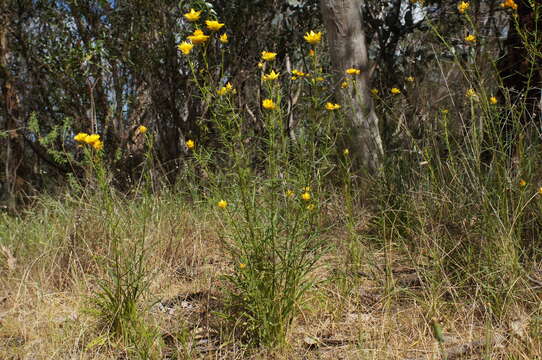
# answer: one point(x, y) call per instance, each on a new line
point(346, 38)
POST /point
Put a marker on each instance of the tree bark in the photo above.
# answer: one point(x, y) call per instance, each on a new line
point(348, 49)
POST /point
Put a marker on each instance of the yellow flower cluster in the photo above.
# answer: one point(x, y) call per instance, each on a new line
point(330, 106)
point(228, 88)
point(471, 93)
point(509, 4)
point(493, 100)
point(269, 104)
point(222, 204)
point(213, 25)
point(313, 38)
point(470, 38)
point(463, 6)
point(198, 36)
point(141, 129)
point(190, 144)
point(271, 76)
point(353, 71)
point(92, 140)
point(395, 91)
point(268, 56)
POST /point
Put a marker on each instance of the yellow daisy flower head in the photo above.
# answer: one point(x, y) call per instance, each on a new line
point(540, 190)
point(344, 84)
point(190, 144)
point(269, 104)
point(242, 266)
point(463, 6)
point(331, 106)
point(268, 56)
point(312, 37)
point(228, 88)
point(260, 65)
point(91, 139)
point(223, 38)
point(471, 93)
point(493, 100)
point(185, 47)
point(213, 25)
point(353, 71)
point(222, 204)
point(141, 129)
point(298, 73)
point(522, 183)
point(395, 91)
point(346, 152)
point(410, 78)
point(306, 196)
point(198, 37)
point(271, 76)
point(192, 15)
point(374, 91)
point(289, 193)
point(470, 38)
point(80, 137)
point(98, 145)
point(311, 207)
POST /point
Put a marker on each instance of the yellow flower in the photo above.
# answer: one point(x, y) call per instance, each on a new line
point(271, 76)
point(298, 73)
point(470, 38)
point(80, 137)
point(306, 196)
point(141, 129)
point(91, 139)
point(242, 266)
point(260, 65)
point(312, 52)
point(294, 77)
point(198, 37)
point(395, 91)
point(310, 207)
point(222, 204)
point(493, 100)
point(185, 47)
point(444, 111)
point(268, 56)
point(192, 15)
point(410, 78)
point(330, 106)
point(470, 93)
point(223, 38)
point(344, 84)
point(213, 25)
point(374, 91)
point(346, 152)
point(319, 78)
point(509, 4)
point(268, 104)
point(312, 37)
point(190, 144)
point(289, 193)
point(225, 89)
point(540, 191)
point(353, 71)
point(522, 183)
point(98, 145)
point(463, 6)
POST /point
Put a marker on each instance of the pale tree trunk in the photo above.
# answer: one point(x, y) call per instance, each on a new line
point(347, 46)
